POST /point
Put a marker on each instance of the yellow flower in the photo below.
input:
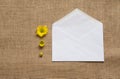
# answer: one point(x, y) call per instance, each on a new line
point(42, 44)
point(41, 54)
point(42, 30)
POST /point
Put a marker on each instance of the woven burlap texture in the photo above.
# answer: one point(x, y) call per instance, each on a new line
point(19, 51)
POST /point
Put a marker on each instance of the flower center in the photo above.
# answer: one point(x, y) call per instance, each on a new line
point(41, 42)
point(42, 30)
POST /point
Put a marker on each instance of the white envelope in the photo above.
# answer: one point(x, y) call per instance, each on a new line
point(77, 37)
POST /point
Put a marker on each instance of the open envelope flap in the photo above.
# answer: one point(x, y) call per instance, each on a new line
point(74, 13)
point(77, 38)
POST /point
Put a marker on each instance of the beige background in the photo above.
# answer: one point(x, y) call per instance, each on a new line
point(19, 43)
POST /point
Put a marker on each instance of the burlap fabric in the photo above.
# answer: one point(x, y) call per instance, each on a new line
point(19, 44)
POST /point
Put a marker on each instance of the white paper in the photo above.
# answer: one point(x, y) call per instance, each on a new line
point(77, 37)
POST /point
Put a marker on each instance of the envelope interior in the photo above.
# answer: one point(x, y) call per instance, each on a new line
point(77, 37)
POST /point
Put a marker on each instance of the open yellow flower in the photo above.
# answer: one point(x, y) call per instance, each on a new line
point(42, 30)
point(42, 44)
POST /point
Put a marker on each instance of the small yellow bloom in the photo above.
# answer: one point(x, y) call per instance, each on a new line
point(42, 30)
point(41, 54)
point(42, 44)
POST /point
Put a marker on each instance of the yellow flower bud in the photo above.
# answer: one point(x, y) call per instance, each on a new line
point(41, 54)
point(42, 44)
